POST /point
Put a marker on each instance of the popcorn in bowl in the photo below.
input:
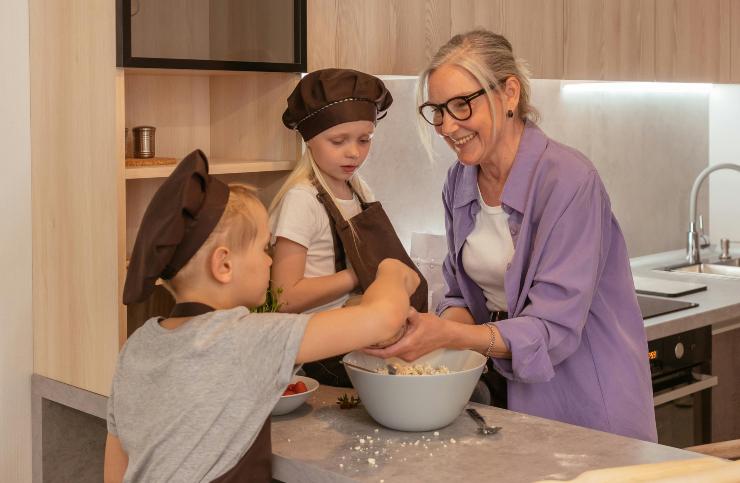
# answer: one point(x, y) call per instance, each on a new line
point(414, 370)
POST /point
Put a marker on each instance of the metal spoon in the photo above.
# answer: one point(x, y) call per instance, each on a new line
point(483, 428)
point(358, 367)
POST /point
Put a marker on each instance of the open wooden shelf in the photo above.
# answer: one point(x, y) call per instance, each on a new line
point(216, 167)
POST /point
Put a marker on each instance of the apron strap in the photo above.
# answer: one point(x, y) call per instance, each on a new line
point(340, 260)
point(190, 309)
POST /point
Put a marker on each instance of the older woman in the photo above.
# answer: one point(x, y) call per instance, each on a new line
point(537, 270)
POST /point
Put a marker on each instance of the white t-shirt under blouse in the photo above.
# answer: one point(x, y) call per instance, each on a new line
point(302, 219)
point(487, 252)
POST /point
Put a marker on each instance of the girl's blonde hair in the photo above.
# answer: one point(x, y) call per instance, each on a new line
point(237, 229)
point(489, 57)
point(305, 172)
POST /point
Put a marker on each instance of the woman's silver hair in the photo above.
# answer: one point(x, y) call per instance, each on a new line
point(490, 58)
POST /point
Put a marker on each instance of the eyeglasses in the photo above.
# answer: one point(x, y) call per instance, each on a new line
point(458, 107)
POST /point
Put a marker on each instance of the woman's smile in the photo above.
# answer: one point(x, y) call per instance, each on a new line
point(459, 143)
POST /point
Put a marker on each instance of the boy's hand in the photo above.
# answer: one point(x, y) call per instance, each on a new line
point(397, 268)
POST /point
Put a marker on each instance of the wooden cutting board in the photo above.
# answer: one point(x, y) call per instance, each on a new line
point(698, 470)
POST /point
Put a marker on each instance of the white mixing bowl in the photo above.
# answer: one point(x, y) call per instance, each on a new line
point(416, 403)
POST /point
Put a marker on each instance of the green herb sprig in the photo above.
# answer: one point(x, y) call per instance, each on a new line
point(347, 402)
point(272, 302)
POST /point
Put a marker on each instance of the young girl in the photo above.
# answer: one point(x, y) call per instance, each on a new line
point(328, 232)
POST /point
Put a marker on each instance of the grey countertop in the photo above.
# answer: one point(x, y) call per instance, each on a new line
point(718, 305)
point(321, 443)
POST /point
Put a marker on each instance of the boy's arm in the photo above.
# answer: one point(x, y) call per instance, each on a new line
point(116, 460)
point(380, 315)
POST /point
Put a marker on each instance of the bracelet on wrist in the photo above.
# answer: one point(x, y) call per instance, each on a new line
point(492, 340)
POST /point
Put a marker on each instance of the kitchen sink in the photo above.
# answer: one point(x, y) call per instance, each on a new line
point(724, 268)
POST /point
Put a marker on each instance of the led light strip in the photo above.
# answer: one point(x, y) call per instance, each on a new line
point(636, 87)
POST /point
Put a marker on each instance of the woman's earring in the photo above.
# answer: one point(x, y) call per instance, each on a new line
point(509, 113)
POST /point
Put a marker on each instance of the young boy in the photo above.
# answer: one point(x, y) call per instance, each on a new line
point(192, 393)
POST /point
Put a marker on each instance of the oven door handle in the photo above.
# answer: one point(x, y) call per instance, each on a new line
point(703, 381)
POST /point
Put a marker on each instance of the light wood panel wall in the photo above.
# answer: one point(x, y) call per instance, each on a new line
point(170, 28)
point(246, 117)
point(178, 106)
point(687, 40)
point(609, 39)
point(77, 170)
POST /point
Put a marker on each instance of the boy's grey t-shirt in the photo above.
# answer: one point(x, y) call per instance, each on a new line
point(187, 403)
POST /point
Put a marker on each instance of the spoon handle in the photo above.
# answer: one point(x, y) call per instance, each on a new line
point(357, 367)
point(477, 417)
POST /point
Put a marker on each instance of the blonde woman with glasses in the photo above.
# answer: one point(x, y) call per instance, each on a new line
point(537, 271)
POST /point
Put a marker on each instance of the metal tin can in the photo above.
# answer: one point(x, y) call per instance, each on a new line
point(143, 141)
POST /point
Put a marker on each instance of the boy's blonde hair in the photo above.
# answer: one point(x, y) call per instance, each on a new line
point(236, 230)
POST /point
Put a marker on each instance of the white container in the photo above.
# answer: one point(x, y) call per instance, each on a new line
point(417, 403)
point(288, 404)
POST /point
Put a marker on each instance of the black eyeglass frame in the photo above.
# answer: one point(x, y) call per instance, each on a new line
point(443, 107)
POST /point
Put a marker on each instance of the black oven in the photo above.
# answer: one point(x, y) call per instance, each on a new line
point(680, 366)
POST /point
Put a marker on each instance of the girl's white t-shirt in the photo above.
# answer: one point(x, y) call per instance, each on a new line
point(302, 219)
point(487, 252)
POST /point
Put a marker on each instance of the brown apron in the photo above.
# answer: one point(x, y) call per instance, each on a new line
point(256, 464)
point(370, 239)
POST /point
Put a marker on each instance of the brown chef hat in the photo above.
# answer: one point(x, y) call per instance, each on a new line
point(327, 97)
point(178, 220)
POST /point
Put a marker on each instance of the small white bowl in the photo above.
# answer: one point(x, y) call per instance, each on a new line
point(288, 404)
point(417, 403)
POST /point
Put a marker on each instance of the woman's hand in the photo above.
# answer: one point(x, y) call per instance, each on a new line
point(425, 332)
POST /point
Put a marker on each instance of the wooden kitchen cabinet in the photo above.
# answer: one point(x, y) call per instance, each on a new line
point(687, 40)
point(731, 40)
point(401, 36)
point(251, 35)
point(377, 37)
point(609, 39)
point(630, 40)
point(87, 204)
point(534, 28)
point(726, 395)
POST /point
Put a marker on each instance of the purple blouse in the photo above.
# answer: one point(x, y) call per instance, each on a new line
point(577, 339)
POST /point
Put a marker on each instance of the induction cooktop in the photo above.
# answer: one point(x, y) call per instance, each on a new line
point(654, 306)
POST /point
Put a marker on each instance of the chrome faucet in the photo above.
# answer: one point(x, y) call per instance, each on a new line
point(693, 247)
